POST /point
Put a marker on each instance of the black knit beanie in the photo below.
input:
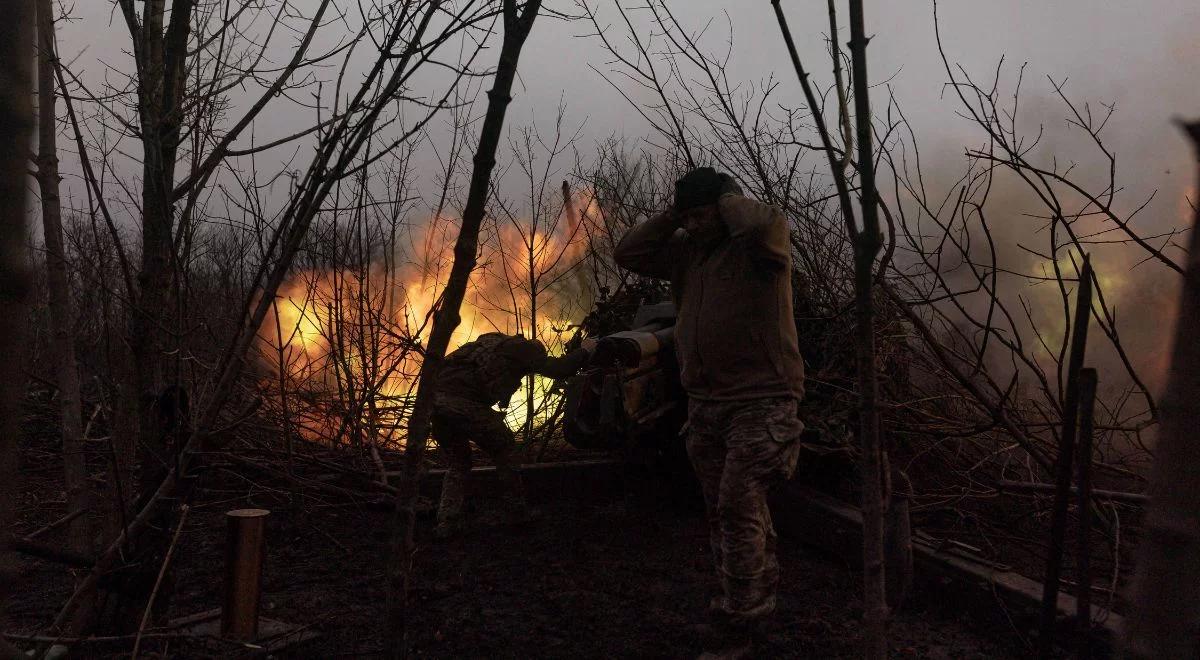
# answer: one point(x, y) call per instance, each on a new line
point(699, 187)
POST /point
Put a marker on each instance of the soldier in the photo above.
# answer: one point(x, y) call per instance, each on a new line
point(728, 259)
point(474, 378)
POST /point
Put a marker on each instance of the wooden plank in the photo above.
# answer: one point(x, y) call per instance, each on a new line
point(820, 521)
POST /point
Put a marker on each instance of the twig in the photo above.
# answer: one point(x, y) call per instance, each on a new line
point(137, 642)
point(55, 525)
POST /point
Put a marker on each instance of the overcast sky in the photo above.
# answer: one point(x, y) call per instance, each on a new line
point(1142, 55)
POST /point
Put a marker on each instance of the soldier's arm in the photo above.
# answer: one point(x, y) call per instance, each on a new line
point(564, 366)
point(648, 248)
point(761, 224)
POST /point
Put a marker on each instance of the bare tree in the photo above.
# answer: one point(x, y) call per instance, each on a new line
point(16, 123)
point(517, 23)
point(867, 241)
point(59, 288)
point(404, 38)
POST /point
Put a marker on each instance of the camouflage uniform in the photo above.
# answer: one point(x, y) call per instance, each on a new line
point(739, 449)
point(455, 424)
point(474, 378)
point(741, 366)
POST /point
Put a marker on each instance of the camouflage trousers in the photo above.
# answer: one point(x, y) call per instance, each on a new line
point(739, 449)
point(456, 424)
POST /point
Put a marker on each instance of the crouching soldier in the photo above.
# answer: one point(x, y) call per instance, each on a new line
point(474, 381)
point(729, 262)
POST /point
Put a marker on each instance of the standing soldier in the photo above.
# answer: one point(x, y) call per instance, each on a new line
point(728, 259)
point(475, 380)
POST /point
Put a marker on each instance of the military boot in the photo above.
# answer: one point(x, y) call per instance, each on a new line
point(450, 507)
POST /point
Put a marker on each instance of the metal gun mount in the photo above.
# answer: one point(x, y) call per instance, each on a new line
point(630, 396)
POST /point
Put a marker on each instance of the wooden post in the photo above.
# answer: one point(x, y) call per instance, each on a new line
point(245, 550)
point(1063, 469)
point(1083, 566)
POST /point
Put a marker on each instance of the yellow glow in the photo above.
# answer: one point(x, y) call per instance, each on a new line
point(397, 309)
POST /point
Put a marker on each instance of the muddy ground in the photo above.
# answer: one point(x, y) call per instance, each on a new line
point(614, 571)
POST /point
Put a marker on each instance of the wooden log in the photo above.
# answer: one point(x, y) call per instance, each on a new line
point(51, 552)
point(987, 590)
point(1097, 493)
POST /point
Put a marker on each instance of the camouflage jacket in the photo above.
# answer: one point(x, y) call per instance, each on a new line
point(489, 370)
point(736, 335)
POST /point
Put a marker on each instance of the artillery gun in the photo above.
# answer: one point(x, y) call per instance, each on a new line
point(629, 399)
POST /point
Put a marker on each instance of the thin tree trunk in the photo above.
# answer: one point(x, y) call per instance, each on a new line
point(533, 334)
point(161, 52)
point(1048, 620)
point(162, 56)
point(446, 318)
point(16, 122)
point(1083, 568)
point(867, 243)
point(1164, 616)
point(281, 354)
point(57, 279)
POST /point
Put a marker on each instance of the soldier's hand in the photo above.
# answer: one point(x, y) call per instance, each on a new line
point(608, 352)
point(728, 185)
point(589, 345)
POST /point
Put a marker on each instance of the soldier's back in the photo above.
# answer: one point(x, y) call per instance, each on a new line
point(484, 371)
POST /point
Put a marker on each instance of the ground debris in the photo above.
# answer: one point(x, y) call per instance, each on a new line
point(623, 576)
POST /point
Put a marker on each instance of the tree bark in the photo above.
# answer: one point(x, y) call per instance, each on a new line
point(58, 283)
point(867, 244)
point(517, 25)
point(160, 49)
point(1164, 616)
point(162, 56)
point(1048, 619)
point(16, 122)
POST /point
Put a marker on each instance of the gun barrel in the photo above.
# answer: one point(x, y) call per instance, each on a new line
point(632, 347)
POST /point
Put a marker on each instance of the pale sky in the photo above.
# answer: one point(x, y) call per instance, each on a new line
point(1140, 55)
